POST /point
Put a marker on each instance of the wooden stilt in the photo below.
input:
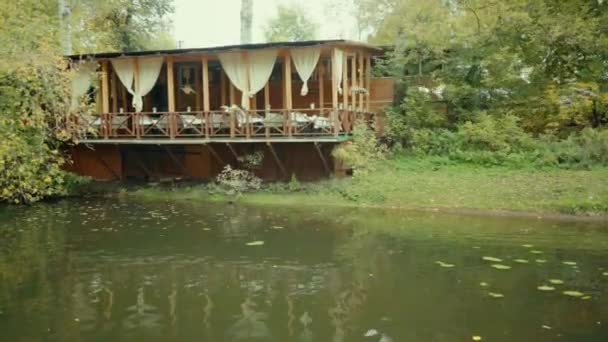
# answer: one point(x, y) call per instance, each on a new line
point(277, 160)
point(214, 154)
point(105, 95)
point(320, 75)
point(231, 148)
point(176, 160)
point(323, 160)
point(368, 80)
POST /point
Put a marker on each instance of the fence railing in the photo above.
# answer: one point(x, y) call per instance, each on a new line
point(233, 123)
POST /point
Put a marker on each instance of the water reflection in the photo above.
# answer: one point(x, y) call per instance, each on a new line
point(107, 270)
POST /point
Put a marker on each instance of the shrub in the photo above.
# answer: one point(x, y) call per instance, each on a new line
point(233, 182)
point(293, 184)
point(362, 152)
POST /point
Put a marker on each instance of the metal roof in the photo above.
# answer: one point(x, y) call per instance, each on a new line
point(211, 50)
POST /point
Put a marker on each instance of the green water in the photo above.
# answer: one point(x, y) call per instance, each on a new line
point(114, 270)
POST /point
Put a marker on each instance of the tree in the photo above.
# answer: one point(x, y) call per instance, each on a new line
point(290, 25)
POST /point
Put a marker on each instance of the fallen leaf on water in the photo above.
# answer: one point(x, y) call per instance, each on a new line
point(521, 261)
point(536, 252)
point(541, 261)
point(255, 243)
point(546, 327)
point(546, 288)
point(476, 338)
point(586, 297)
point(605, 274)
point(573, 293)
point(277, 227)
point(371, 332)
point(569, 263)
point(483, 284)
point(556, 281)
point(489, 258)
point(495, 295)
point(527, 245)
point(444, 264)
point(501, 267)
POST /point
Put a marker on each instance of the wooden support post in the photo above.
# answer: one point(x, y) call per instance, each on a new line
point(114, 91)
point(320, 75)
point(170, 85)
point(214, 154)
point(105, 95)
point(287, 81)
point(277, 160)
point(360, 81)
point(368, 81)
point(125, 104)
point(205, 66)
point(222, 87)
point(323, 160)
point(334, 81)
point(199, 89)
point(353, 80)
point(267, 95)
point(345, 81)
point(135, 123)
point(232, 94)
point(287, 100)
point(231, 148)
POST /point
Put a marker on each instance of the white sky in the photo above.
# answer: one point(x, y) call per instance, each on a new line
point(205, 23)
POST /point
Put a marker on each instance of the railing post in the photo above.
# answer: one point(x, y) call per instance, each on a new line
point(232, 124)
point(136, 125)
point(207, 123)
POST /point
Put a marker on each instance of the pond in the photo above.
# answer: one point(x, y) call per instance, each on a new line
point(119, 270)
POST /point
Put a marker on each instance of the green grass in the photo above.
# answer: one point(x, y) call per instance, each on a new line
point(435, 184)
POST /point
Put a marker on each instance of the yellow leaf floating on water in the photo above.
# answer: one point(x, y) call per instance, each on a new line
point(569, 263)
point(546, 288)
point(493, 259)
point(444, 264)
point(573, 293)
point(541, 261)
point(605, 274)
point(521, 261)
point(527, 245)
point(586, 297)
point(495, 295)
point(255, 243)
point(476, 338)
point(483, 284)
point(536, 252)
point(501, 267)
point(556, 281)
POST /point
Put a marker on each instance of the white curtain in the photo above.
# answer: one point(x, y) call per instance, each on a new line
point(248, 77)
point(236, 69)
point(149, 69)
point(339, 60)
point(124, 69)
point(305, 60)
point(261, 64)
point(81, 82)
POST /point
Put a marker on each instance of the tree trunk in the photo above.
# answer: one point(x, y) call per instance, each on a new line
point(65, 27)
point(246, 20)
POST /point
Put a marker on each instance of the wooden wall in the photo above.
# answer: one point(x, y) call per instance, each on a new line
point(152, 162)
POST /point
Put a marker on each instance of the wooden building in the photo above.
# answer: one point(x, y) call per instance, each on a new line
point(190, 112)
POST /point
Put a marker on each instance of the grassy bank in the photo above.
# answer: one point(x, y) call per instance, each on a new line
point(435, 184)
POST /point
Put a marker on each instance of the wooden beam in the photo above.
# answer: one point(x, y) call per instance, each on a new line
point(345, 81)
point(267, 95)
point(170, 85)
point(222, 87)
point(106, 166)
point(136, 74)
point(353, 79)
point(368, 81)
point(277, 160)
point(205, 66)
point(334, 81)
point(287, 81)
point(199, 89)
point(360, 79)
point(105, 95)
point(214, 154)
point(231, 148)
point(320, 75)
point(323, 160)
point(114, 91)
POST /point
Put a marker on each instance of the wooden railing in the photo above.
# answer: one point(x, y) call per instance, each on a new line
point(224, 124)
